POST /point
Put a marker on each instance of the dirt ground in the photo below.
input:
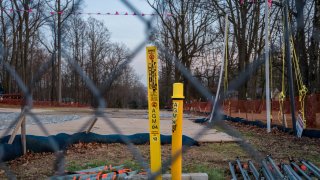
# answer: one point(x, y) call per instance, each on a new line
point(211, 158)
point(127, 121)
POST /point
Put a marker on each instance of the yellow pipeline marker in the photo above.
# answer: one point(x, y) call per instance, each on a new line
point(153, 105)
point(177, 108)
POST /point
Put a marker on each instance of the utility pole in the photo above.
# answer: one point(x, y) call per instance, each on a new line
point(288, 59)
point(226, 29)
point(267, 68)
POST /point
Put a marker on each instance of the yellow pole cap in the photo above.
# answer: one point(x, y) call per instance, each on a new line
point(177, 91)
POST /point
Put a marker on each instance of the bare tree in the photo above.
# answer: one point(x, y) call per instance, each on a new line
point(187, 28)
point(247, 27)
point(76, 40)
point(24, 27)
point(25, 37)
point(63, 9)
point(98, 39)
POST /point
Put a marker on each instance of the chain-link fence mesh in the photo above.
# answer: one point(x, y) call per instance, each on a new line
point(217, 118)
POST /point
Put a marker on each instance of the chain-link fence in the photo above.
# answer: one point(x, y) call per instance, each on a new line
point(217, 118)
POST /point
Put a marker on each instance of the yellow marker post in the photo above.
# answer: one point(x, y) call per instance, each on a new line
point(177, 108)
point(153, 107)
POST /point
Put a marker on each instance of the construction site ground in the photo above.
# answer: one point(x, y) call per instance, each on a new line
point(209, 157)
point(127, 121)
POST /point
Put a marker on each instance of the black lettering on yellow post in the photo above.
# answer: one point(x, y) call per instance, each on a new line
point(153, 106)
point(174, 116)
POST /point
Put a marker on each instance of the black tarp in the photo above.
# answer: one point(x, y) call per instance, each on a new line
point(312, 133)
point(39, 144)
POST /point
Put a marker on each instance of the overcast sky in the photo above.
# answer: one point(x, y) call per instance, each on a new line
point(128, 30)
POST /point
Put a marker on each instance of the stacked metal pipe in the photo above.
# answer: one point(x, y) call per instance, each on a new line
point(268, 169)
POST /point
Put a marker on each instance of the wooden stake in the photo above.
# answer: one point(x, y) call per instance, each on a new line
point(93, 122)
point(23, 135)
point(17, 127)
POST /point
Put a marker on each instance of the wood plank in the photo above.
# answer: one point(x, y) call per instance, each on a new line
point(17, 127)
point(23, 135)
point(93, 122)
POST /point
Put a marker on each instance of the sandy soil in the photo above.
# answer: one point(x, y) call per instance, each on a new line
point(127, 122)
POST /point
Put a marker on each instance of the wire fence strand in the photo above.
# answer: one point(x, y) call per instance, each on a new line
point(99, 111)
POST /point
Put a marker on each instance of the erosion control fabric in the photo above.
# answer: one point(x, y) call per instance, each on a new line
point(312, 133)
point(39, 144)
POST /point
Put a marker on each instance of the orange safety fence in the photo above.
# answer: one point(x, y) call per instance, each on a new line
point(202, 106)
point(312, 107)
point(208, 107)
point(11, 96)
point(17, 100)
point(187, 107)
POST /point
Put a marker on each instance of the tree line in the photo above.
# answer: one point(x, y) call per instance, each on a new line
point(42, 46)
point(195, 35)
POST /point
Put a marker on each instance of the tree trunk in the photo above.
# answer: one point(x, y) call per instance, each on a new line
point(53, 74)
point(59, 53)
point(314, 52)
point(301, 45)
point(14, 57)
point(26, 47)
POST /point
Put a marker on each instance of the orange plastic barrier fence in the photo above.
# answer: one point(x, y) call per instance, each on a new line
point(17, 99)
point(312, 107)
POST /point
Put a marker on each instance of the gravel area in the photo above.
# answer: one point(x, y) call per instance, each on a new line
point(7, 118)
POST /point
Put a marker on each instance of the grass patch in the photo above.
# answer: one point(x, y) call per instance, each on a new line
point(314, 159)
point(229, 149)
point(213, 173)
point(132, 165)
point(76, 166)
point(248, 134)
